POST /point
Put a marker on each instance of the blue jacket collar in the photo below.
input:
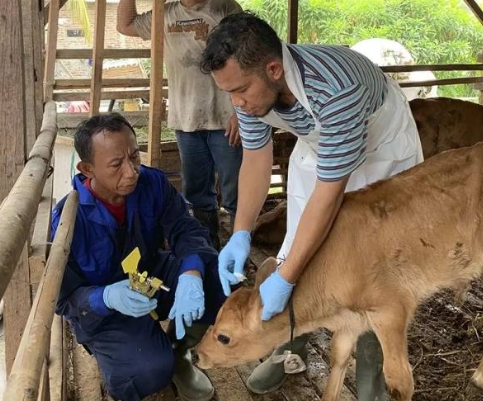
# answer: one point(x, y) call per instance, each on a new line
point(96, 211)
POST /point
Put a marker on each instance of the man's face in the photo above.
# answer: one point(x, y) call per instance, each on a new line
point(115, 166)
point(253, 92)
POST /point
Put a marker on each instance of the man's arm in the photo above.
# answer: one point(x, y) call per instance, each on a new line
point(126, 13)
point(315, 223)
point(253, 185)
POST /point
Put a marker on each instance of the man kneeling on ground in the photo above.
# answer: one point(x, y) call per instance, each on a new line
point(124, 205)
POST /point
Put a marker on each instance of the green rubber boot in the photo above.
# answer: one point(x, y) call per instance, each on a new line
point(270, 376)
point(369, 375)
point(192, 384)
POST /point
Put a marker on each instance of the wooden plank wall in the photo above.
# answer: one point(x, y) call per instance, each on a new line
point(21, 110)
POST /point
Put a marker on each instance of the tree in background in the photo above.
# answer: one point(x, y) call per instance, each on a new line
point(434, 31)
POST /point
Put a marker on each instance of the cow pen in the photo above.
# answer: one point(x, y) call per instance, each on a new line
point(43, 361)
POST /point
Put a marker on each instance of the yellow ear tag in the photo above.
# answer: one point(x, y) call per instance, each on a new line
point(130, 263)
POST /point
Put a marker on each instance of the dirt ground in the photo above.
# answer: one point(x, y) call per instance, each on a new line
point(446, 345)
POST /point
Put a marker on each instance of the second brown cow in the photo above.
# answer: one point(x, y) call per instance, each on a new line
point(442, 123)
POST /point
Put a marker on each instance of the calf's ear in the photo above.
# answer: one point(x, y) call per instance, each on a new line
point(267, 268)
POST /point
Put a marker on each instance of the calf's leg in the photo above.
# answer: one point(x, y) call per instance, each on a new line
point(477, 378)
point(342, 344)
point(391, 330)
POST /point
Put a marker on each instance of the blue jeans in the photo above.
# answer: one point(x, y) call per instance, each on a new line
point(202, 153)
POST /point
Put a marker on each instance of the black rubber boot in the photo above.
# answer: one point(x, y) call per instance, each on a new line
point(369, 375)
point(270, 376)
point(211, 221)
point(192, 384)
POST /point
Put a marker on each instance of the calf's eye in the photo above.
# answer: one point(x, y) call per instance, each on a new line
point(223, 339)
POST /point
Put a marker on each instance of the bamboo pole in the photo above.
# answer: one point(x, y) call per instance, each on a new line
point(57, 362)
point(24, 380)
point(20, 206)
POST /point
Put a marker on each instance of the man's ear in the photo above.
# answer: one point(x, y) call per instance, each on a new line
point(275, 69)
point(86, 168)
point(267, 268)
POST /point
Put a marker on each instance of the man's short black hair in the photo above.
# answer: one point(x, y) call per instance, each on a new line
point(85, 131)
point(249, 40)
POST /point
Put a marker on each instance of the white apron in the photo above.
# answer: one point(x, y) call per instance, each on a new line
point(393, 145)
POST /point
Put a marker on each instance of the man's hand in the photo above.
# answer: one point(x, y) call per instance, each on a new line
point(189, 303)
point(120, 297)
point(275, 292)
point(232, 131)
point(231, 261)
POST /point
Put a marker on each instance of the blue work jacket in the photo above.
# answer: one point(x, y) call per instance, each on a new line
point(154, 211)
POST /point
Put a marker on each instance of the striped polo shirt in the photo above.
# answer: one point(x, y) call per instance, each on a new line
point(343, 88)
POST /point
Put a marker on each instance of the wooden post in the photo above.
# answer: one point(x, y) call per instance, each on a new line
point(293, 16)
point(39, 62)
point(29, 8)
point(97, 56)
point(156, 105)
point(475, 8)
point(24, 380)
point(51, 50)
point(12, 104)
point(18, 209)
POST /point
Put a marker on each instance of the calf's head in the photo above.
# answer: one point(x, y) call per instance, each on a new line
point(239, 335)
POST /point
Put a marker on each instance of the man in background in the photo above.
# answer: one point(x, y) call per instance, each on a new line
point(202, 116)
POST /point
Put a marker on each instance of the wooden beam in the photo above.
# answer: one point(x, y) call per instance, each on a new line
point(49, 70)
point(18, 209)
point(71, 120)
point(473, 5)
point(39, 47)
point(23, 382)
point(293, 17)
point(97, 56)
point(106, 83)
point(156, 104)
point(449, 81)
point(122, 94)
point(432, 67)
point(74, 54)
point(46, 9)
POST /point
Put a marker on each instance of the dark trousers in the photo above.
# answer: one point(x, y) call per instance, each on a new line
point(134, 354)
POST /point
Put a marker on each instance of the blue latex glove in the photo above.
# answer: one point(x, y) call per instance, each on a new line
point(232, 259)
point(120, 297)
point(275, 292)
point(189, 303)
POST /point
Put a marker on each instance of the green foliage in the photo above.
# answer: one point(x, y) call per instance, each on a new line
point(434, 31)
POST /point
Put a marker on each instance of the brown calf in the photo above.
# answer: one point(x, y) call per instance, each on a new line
point(392, 245)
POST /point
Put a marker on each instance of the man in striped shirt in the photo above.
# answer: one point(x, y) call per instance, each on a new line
point(354, 127)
